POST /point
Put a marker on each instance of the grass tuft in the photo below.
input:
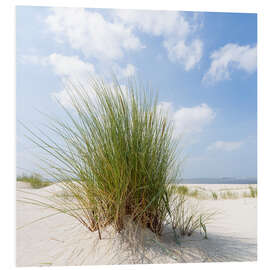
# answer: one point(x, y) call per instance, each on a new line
point(182, 190)
point(253, 191)
point(35, 180)
point(214, 195)
point(114, 157)
point(228, 195)
point(188, 217)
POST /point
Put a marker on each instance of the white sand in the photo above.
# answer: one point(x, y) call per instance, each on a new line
point(59, 240)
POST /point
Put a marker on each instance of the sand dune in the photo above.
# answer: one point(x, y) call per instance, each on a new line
point(59, 240)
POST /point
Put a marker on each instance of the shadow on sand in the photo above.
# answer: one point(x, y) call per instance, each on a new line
point(216, 248)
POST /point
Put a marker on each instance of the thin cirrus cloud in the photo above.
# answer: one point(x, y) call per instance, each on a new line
point(227, 146)
point(188, 120)
point(229, 58)
point(110, 37)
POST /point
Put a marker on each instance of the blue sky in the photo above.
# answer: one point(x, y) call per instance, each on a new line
point(204, 66)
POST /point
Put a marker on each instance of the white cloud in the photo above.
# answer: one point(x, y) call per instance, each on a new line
point(190, 54)
point(69, 66)
point(188, 120)
point(155, 22)
point(108, 38)
point(69, 69)
point(127, 71)
point(90, 33)
point(64, 96)
point(63, 66)
point(165, 108)
point(229, 58)
point(225, 146)
point(193, 119)
point(73, 69)
point(173, 27)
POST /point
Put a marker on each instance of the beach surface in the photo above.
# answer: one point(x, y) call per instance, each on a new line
point(44, 238)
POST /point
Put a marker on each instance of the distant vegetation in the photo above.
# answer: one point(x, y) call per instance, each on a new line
point(182, 190)
point(204, 194)
point(229, 195)
point(215, 196)
point(35, 180)
point(253, 191)
point(190, 192)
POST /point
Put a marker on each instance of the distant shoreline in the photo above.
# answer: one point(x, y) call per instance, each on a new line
point(251, 180)
point(223, 180)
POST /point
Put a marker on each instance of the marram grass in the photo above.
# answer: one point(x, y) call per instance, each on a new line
point(35, 180)
point(115, 157)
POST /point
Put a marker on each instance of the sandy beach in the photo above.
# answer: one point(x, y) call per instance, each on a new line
point(60, 240)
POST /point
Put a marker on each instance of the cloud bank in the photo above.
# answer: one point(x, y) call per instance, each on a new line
point(90, 33)
point(108, 38)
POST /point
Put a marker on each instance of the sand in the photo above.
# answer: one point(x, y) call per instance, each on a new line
point(60, 240)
